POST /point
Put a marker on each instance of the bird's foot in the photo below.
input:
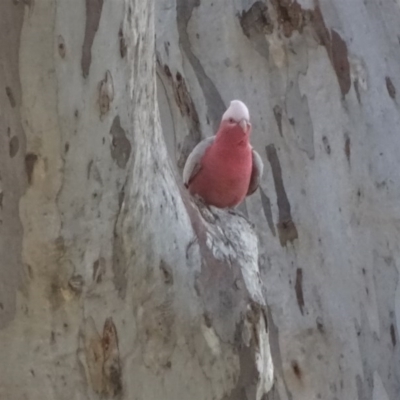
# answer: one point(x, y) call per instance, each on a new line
point(205, 209)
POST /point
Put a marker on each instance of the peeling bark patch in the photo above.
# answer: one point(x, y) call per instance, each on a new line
point(278, 117)
point(393, 335)
point(286, 228)
point(256, 20)
point(111, 367)
point(10, 96)
point(13, 146)
point(120, 146)
point(106, 93)
point(61, 46)
point(93, 14)
point(336, 48)
point(298, 287)
point(30, 160)
point(390, 88)
point(340, 62)
point(320, 28)
point(102, 358)
point(291, 17)
point(266, 205)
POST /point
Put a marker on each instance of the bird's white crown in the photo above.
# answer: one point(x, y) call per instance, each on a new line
point(237, 110)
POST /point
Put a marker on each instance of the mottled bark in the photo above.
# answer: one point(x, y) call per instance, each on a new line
point(113, 283)
point(320, 79)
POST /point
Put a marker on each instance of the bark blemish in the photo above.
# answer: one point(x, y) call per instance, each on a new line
point(286, 228)
point(10, 96)
point(266, 205)
point(188, 110)
point(99, 269)
point(256, 20)
point(76, 283)
point(326, 144)
point(207, 320)
point(167, 71)
point(122, 43)
point(340, 61)
point(112, 372)
point(320, 325)
point(102, 358)
point(299, 289)
point(167, 273)
point(214, 101)
point(278, 117)
point(347, 147)
point(297, 370)
point(30, 161)
point(13, 146)
point(61, 46)
point(336, 48)
point(93, 14)
point(357, 89)
point(256, 23)
point(291, 17)
point(390, 88)
point(320, 28)
point(54, 294)
point(106, 93)
point(393, 335)
point(183, 98)
point(120, 145)
point(119, 266)
point(299, 117)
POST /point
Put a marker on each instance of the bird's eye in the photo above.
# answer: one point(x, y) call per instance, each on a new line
point(231, 120)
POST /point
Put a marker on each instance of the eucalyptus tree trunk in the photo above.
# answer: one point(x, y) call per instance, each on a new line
point(113, 283)
point(321, 81)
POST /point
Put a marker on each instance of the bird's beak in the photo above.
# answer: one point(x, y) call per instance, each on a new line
point(244, 125)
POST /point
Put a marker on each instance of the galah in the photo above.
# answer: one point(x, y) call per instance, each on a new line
point(223, 169)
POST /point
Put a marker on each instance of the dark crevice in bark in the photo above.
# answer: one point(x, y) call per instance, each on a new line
point(93, 15)
point(215, 103)
point(286, 228)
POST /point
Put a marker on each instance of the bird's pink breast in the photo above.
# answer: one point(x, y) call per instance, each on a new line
point(224, 177)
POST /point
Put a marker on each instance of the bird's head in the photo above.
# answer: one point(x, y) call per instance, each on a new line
point(237, 117)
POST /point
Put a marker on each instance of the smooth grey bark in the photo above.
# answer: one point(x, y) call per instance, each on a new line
point(113, 283)
point(321, 81)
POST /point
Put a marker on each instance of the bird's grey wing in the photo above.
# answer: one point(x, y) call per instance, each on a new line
point(193, 162)
point(256, 173)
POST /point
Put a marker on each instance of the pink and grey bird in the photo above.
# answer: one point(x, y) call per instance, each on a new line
point(223, 169)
